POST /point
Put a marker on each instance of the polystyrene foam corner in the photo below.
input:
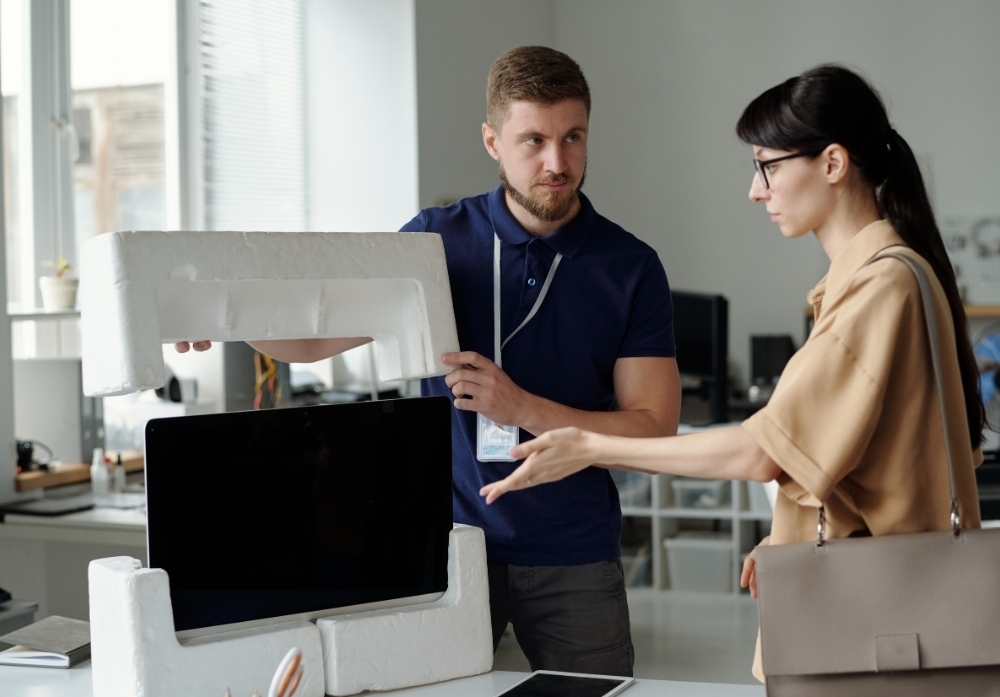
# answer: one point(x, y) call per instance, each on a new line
point(135, 652)
point(139, 290)
point(403, 647)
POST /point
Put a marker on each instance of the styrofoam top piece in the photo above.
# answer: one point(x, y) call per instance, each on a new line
point(139, 290)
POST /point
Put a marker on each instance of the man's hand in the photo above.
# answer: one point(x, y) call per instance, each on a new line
point(480, 386)
point(552, 456)
point(749, 575)
point(184, 346)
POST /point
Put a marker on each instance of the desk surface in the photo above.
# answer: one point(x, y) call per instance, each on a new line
point(75, 682)
point(132, 519)
point(114, 526)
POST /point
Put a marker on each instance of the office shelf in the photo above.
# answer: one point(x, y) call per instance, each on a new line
point(70, 473)
point(697, 513)
point(983, 311)
point(665, 518)
point(633, 512)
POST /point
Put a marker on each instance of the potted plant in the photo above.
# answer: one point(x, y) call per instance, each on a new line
point(59, 289)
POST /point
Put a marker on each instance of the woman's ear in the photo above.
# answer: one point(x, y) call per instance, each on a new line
point(836, 163)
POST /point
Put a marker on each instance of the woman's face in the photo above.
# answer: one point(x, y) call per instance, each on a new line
point(798, 195)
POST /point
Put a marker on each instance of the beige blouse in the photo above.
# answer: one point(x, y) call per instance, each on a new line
point(854, 421)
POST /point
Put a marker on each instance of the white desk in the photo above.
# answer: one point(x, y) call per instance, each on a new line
point(45, 559)
point(108, 526)
point(75, 682)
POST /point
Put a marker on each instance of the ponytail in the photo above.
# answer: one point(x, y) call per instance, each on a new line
point(902, 200)
point(831, 104)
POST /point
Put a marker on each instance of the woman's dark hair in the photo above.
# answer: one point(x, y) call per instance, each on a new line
point(831, 104)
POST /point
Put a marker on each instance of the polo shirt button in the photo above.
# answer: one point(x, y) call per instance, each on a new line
point(531, 281)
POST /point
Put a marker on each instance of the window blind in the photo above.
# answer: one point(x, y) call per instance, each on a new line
point(252, 55)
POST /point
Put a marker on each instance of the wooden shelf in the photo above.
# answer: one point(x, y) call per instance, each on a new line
point(983, 311)
point(60, 474)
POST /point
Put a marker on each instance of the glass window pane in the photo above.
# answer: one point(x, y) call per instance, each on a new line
point(119, 59)
point(142, 209)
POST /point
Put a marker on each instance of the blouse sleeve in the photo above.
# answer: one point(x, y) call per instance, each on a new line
point(827, 403)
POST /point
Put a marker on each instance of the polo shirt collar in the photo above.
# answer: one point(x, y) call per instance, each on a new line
point(567, 240)
point(871, 240)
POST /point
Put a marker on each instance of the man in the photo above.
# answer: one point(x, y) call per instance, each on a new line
point(591, 309)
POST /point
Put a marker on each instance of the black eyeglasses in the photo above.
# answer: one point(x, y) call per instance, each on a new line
point(759, 165)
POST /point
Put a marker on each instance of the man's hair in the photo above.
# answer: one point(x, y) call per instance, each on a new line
point(532, 74)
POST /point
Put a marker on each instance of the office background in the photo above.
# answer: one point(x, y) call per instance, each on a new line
point(669, 80)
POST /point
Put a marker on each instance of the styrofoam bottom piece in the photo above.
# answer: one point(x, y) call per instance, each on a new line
point(135, 652)
point(402, 647)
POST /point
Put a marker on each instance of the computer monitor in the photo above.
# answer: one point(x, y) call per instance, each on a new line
point(299, 513)
point(701, 334)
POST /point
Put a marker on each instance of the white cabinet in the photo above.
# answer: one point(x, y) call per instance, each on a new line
point(735, 517)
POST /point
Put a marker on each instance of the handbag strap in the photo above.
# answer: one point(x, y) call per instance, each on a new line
point(930, 317)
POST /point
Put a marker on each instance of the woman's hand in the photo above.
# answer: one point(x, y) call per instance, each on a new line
point(552, 456)
point(749, 575)
point(184, 346)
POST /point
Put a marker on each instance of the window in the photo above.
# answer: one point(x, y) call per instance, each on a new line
point(101, 167)
point(119, 65)
point(251, 55)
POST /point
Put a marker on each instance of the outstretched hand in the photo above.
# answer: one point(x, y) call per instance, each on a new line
point(552, 456)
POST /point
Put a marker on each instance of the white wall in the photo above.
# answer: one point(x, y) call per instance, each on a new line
point(362, 129)
point(670, 79)
point(457, 42)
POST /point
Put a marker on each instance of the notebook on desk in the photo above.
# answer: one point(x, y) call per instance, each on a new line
point(55, 642)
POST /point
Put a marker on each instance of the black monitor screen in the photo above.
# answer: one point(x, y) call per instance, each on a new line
point(285, 511)
point(700, 333)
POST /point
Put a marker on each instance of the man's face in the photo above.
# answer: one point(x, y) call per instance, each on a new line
point(541, 150)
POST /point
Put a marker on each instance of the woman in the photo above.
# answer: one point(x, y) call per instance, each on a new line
point(854, 422)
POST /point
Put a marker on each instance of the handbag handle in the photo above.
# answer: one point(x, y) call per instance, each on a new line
point(930, 316)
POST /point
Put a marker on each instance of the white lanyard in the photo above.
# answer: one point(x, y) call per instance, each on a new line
point(493, 441)
point(497, 344)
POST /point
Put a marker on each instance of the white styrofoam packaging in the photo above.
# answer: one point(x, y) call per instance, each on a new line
point(402, 647)
point(135, 652)
point(140, 290)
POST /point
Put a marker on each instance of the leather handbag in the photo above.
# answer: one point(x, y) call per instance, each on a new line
point(914, 614)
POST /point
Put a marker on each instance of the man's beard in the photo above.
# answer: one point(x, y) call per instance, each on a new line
point(549, 209)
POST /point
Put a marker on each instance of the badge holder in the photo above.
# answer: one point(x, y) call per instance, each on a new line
point(493, 441)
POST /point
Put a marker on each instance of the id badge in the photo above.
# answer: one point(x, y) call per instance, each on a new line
point(493, 441)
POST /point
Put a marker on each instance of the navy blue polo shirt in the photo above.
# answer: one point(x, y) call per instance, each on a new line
point(609, 299)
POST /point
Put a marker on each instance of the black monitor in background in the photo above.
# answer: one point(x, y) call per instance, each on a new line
point(298, 513)
point(768, 356)
point(701, 334)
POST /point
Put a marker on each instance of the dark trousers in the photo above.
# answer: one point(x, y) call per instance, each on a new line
point(567, 618)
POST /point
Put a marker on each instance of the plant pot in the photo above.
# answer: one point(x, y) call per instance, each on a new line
point(58, 293)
